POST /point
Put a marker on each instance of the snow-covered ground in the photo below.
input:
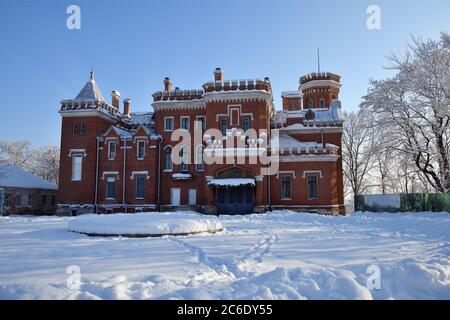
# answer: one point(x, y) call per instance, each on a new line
point(281, 255)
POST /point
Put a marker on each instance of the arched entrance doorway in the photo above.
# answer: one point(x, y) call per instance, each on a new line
point(234, 191)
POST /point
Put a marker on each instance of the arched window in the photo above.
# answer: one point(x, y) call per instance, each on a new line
point(310, 103)
point(199, 159)
point(168, 165)
point(322, 103)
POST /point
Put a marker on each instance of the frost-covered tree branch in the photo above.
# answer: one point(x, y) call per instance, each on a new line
point(414, 106)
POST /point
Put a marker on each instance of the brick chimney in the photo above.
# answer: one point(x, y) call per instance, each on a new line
point(167, 84)
point(126, 107)
point(218, 74)
point(115, 101)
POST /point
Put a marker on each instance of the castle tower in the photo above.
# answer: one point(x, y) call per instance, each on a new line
point(319, 89)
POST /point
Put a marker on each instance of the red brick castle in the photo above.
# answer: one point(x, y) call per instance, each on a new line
point(221, 149)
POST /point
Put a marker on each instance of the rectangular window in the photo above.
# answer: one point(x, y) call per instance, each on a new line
point(44, 201)
point(53, 201)
point(30, 200)
point(201, 123)
point(140, 181)
point(184, 167)
point(141, 149)
point(168, 124)
point(78, 128)
point(18, 200)
point(168, 165)
point(184, 123)
point(199, 160)
point(77, 164)
point(286, 192)
point(223, 126)
point(234, 117)
point(112, 146)
point(245, 123)
point(312, 188)
point(110, 187)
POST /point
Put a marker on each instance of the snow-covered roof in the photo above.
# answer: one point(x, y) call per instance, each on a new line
point(291, 94)
point(141, 118)
point(90, 91)
point(122, 132)
point(332, 114)
point(288, 142)
point(15, 177)
point(233, 182)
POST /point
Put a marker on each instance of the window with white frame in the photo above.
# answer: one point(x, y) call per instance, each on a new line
point(199, 161)
point(110, 187)
point(77, 165)
point(201, 123)
point(184, 166)
point(18, 200)
point(184, 123)
point(245, 123)
point(322, 103)
point(140, 149)
point(168, 123)
point(30, 200)
point(140, 182)
point(286, 187)
point(312, 187)
point(168, 164)
point(223, 126)
point(112, 150)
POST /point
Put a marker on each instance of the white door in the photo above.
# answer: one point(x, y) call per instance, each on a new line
point(192, 196)
point(175, 196)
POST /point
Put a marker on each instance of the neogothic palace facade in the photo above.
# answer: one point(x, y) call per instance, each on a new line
point(222, 149)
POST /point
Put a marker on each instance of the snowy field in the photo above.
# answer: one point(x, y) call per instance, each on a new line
point(281, 255)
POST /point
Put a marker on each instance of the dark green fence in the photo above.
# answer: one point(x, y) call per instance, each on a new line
point(435, 202)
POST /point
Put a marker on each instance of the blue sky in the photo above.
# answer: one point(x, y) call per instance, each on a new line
point(133, 45)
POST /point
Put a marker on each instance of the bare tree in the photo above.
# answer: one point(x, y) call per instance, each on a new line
point(415, 107)
point(17, 153)
point(358, 151)
point(46, 163)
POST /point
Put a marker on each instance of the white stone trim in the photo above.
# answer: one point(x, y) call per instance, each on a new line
point(259, 178)
point(320, 83)
point(87, 113)
point(110, 173)
point(292, 172)
point(140, 173)
point(309, 158)
point(228, 114)
point(238, 95)
point(179, 104)
point(305, 172)
point(79, 151)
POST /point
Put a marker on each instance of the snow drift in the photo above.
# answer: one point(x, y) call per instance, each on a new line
point(144, 224)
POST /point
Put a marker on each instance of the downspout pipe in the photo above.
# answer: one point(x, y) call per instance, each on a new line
point(159, 175)
point(96, 174)
point(124, 173)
